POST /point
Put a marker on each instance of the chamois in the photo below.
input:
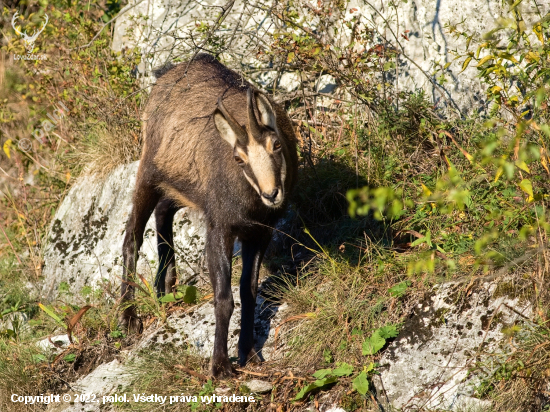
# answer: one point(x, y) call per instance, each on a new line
point(215, 143)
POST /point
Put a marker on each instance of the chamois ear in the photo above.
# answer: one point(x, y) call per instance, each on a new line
point(229, 129)
point(267, 114)
point(224, 128)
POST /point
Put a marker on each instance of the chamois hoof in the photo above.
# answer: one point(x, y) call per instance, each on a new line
point(251, 359)
point(130, 322)
point(222, 370)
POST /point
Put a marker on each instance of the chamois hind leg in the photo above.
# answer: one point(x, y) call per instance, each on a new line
point(253, 251)
point(164, 218)
point(144, 201)
point(219, 246)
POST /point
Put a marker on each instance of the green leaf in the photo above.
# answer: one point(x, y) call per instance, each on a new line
point(70, 357)
point(39, 358)
point(321, 373)
point(369, 368)
point(63, 287)
point(315, 385)
point(516, 3)
point(168, 298)
point(373, 344)
point(343, 369)
point(290, 57)
point(399, 289)
point(508, 56)
point(6, 148)
point(545, 128)
point(186, 292)
point(387, 332)
point(361, 383)
point(499, 173)
point(523, 166)
point(327, 356)
point(537, 29)
point(426, 239)
point(49, 311)
point(190, 294)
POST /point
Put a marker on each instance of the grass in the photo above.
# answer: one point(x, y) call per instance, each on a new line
point(162, 371)
point(343, 302)
point(103, 148)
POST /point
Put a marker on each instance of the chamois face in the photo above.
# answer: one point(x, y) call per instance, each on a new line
point(257, 148)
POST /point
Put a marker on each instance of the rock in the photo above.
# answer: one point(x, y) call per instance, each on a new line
point(326, 84)
point(84, 246)
point(223, 391)
point(258, 386)
point(335, 409)
point(428, 42)
point(61, 342)
point(14, 321)
point(196, 328)
point(289, 81)
point(106, 379)
point(427, 365)
point(467, 403)
point(151, 25)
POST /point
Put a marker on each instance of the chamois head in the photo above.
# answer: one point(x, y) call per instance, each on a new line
point(257, 147)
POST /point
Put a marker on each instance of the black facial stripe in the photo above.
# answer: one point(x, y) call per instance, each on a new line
point(276, 162)
point(248, 171)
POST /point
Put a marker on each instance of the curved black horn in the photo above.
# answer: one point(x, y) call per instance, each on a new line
point(255, 128)
point(241, 134)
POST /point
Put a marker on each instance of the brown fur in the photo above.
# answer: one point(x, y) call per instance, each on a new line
point(185, 162)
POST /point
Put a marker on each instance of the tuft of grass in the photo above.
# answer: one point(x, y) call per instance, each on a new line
point(162, 371)
point(104, 147)
point(22, 372)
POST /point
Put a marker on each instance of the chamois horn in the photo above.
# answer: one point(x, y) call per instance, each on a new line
point(255, 127)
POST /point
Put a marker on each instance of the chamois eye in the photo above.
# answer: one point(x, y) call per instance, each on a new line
point(276, 145)
point(239, 160)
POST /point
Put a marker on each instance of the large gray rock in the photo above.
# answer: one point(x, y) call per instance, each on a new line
point(107, 379)
point(431, 45)
point(197, 326)
point(426, 367)
point(152, 26)
point(84, 246)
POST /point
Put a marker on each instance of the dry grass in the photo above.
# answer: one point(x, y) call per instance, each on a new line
point(338, 300)
point(516, 376)
point(103, 148)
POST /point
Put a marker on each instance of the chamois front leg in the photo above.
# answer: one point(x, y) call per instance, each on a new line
point(145, 200)
point(219, 244)
point(253, 251)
